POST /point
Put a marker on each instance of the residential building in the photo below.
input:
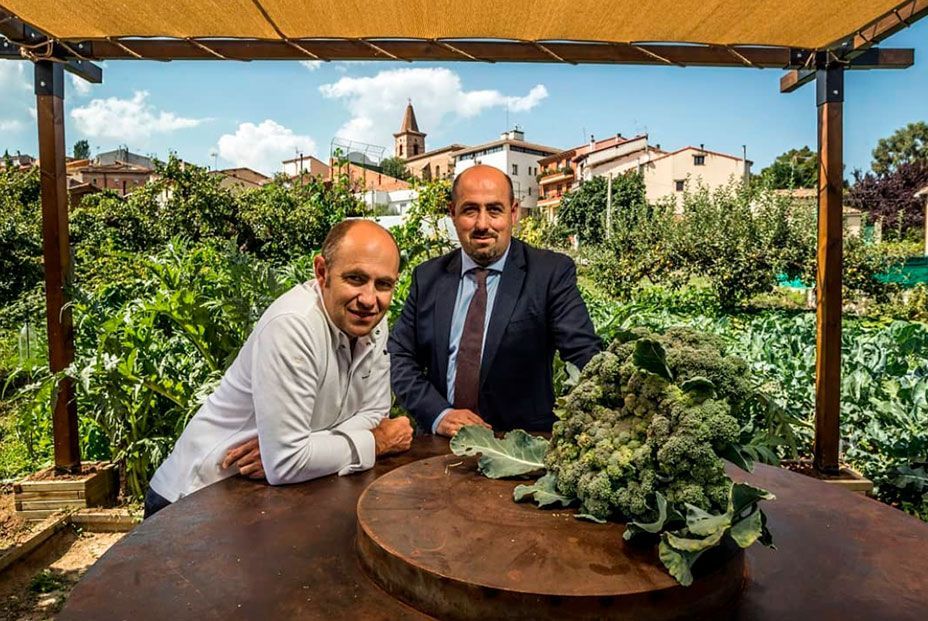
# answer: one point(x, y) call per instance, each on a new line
point(77, 191)
point(20, 160)
point(409, 141)
point(664, 173)
point(122, 155)
point(671, 174)
point(563, 171)
point(306, 164)
point(388, 202)
point(120, 177)
point(437, 164)
point(514, 156)
point(854, 219)
point(238, 179)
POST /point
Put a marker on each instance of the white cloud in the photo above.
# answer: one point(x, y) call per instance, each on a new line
point(127, 119)
point(13, 75)
point(10, 125)
point(312, 65)
point(81, 86)
point(33, 112)
point(264, 146)
point(376, 103)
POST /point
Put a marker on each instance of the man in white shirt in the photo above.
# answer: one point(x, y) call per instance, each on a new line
point(309, 392)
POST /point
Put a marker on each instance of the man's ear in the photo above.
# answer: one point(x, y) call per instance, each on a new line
point(516, 213)
point(319, 267)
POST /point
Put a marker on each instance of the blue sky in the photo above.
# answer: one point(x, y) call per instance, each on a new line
point(256, 114)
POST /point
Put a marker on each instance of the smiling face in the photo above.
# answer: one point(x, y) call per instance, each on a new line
point(484, 213)
point(357, 282)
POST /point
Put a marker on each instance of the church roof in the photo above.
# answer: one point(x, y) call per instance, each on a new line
point(409, 122)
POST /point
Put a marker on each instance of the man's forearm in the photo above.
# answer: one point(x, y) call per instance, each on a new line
point(321, 454)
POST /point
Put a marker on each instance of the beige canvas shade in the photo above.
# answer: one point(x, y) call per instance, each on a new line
point(811, 24)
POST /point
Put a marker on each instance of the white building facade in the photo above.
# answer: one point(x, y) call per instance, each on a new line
point(515, 157)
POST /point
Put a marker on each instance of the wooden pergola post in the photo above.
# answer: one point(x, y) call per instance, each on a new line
point(830, 102)
point(49, 91)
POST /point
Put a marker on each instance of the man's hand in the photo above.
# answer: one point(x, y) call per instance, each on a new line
point(247, 457)
point(455, 419)
point(392, 435)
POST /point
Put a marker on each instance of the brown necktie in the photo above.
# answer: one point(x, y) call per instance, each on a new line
point(467, 375)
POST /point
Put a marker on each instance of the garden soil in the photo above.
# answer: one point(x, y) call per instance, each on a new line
point(36, 587)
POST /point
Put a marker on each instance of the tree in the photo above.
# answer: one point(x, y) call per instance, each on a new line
point(796, 168)
point(395, 167)
point(889, 196)
point(81, 150)
point(583, 210)
point(908, 144)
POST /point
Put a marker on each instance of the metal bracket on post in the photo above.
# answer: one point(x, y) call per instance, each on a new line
point(49, 79)
point(829, 85)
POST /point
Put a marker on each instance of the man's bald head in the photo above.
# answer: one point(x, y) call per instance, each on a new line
point(357, 271)
point(360, 231)
point(483, 173)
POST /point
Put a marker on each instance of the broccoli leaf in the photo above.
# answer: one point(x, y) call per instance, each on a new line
point(650, 356)
point(589, 518)
point(702, 523)
point(745, 532)
point(694, 544)
point(678, 563)
point(517, 453)
point(743, 496)
point(635, 528)
point(700, 388)
point(543, 492)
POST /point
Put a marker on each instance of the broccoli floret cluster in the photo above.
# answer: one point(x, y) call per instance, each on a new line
point(626, 432)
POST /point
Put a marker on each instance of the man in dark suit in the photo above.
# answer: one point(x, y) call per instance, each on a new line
point(476, 339)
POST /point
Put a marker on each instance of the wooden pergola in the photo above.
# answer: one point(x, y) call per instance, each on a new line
point(812, 41)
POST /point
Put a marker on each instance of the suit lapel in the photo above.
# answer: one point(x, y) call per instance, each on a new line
point(446, 292)
point(510, 287)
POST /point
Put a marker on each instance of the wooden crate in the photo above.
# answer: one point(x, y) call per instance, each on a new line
point(36, 500)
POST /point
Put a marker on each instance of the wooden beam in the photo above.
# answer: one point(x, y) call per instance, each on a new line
point(49, 90)
point(830, 100)
point(795, 79)
point(872, 58)
point(439, 50)
point(903, 16)
point(80, 67)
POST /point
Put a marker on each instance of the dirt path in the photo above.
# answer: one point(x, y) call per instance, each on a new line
point(36, 587)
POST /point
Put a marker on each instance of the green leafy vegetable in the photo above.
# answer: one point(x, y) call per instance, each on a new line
point(543, 492)
point(517, 453)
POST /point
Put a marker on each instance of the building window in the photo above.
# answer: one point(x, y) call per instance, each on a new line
point(679, 183)
point(699, 160)
point(530, 191)
point(438, 172)
point(415, 149)
point(401, 150)
point(515, 169)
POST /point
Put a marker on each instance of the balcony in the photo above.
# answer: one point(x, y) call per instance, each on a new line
point(561, 174)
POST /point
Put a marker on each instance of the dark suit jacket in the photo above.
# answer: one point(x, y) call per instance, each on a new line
point(537, 310)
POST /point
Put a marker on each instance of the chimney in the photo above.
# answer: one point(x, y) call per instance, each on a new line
point(702, 147)
point(592, 142)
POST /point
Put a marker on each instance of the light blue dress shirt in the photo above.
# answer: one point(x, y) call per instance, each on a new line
point(467, 287)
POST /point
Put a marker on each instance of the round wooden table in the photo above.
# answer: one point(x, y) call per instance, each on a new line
point(244, 550)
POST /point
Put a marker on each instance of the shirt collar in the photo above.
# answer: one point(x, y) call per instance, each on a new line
point(468, 264)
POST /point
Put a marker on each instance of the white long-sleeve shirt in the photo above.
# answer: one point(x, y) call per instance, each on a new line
point(297, 386)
